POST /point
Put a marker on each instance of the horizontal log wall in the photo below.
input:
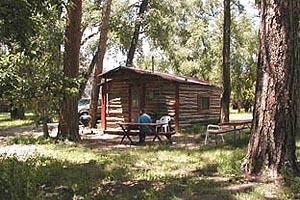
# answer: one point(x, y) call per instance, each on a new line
point(188, 107)
point(117, 109)
point(160, 98)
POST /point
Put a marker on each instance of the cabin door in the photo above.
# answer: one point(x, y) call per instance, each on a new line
point(135, 103)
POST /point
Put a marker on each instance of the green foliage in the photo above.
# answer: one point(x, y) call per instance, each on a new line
point(230, 164)
point(18, 179)
point(122, 25)
point(20, 22)
point(40, 178)
point(6, 122)
point(31, 76)
point(197, 128)
point(243, 58)
point(291, 186)
point(39, 91)
point(186, 38)
point(183, 36)
point(29, 140)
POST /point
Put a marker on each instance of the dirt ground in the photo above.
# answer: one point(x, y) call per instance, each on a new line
point(98, 139)
point(94, 138)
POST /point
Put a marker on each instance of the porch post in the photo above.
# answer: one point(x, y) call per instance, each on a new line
point(142, 95)
point(129, 102)
point(103, 105)
point(177, 105)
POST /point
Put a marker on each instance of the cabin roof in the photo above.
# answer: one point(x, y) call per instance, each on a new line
point(171, 77)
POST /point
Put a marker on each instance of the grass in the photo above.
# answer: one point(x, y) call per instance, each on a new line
point(234, 115)
point(151, 172)
point(77, 171)
point(6, 122)
point(67, 170)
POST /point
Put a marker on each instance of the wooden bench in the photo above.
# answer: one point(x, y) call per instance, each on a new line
point(227, 127)
point(118, 131)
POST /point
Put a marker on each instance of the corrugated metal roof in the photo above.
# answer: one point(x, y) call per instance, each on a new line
point(166, 76)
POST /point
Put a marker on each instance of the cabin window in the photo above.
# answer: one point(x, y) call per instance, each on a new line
point(152, 94)
point(156, 93)
point(203, 103)
point(149, 95)
point(135, 98)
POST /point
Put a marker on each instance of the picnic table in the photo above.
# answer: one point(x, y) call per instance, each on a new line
point(237, 124)
point(134, 127)
point(234, 126)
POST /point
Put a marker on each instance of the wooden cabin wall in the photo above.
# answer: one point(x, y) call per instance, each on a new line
point(160, 98)
point(117, 109)
point(188, 107)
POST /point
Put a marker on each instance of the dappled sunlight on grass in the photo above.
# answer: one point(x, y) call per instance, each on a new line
point(6, 122)
point(67, 170)
point(235, 115)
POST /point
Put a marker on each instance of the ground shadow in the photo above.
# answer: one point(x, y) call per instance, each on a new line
point(101, 180)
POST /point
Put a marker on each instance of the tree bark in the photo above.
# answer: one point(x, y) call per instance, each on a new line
point(88, 72)
point(69, 117)
point(225, 100)
point(272, 142)
point(136, 33)
point(99, 63)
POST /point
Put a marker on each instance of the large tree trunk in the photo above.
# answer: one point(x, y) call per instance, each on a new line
point(272, 142)
point(99, 63)
point(88, 72)
point(136, 33)
point(69, 116)
point(225, 100)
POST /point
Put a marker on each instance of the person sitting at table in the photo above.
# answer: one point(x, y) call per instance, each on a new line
point(144, 118)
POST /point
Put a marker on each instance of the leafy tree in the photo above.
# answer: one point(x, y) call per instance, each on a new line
point(272, 144)
point(29, 73)
point(243, 62)
point(184, 37)
point(195, 48)
point(136, 33)
point(89, 50)
point(20, 21)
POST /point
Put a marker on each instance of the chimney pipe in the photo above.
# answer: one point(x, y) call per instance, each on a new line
point(152, 59)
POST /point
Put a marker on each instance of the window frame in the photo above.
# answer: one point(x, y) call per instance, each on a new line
point(203, 103)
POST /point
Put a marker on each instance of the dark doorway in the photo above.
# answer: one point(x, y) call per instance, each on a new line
point(135, 102)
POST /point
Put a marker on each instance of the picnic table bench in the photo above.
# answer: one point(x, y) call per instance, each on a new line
point(221, 129)
point(133, 128)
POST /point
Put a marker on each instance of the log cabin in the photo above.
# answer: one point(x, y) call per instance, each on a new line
point(125, 90)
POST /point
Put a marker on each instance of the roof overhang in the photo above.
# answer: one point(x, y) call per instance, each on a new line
point(125, 71)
